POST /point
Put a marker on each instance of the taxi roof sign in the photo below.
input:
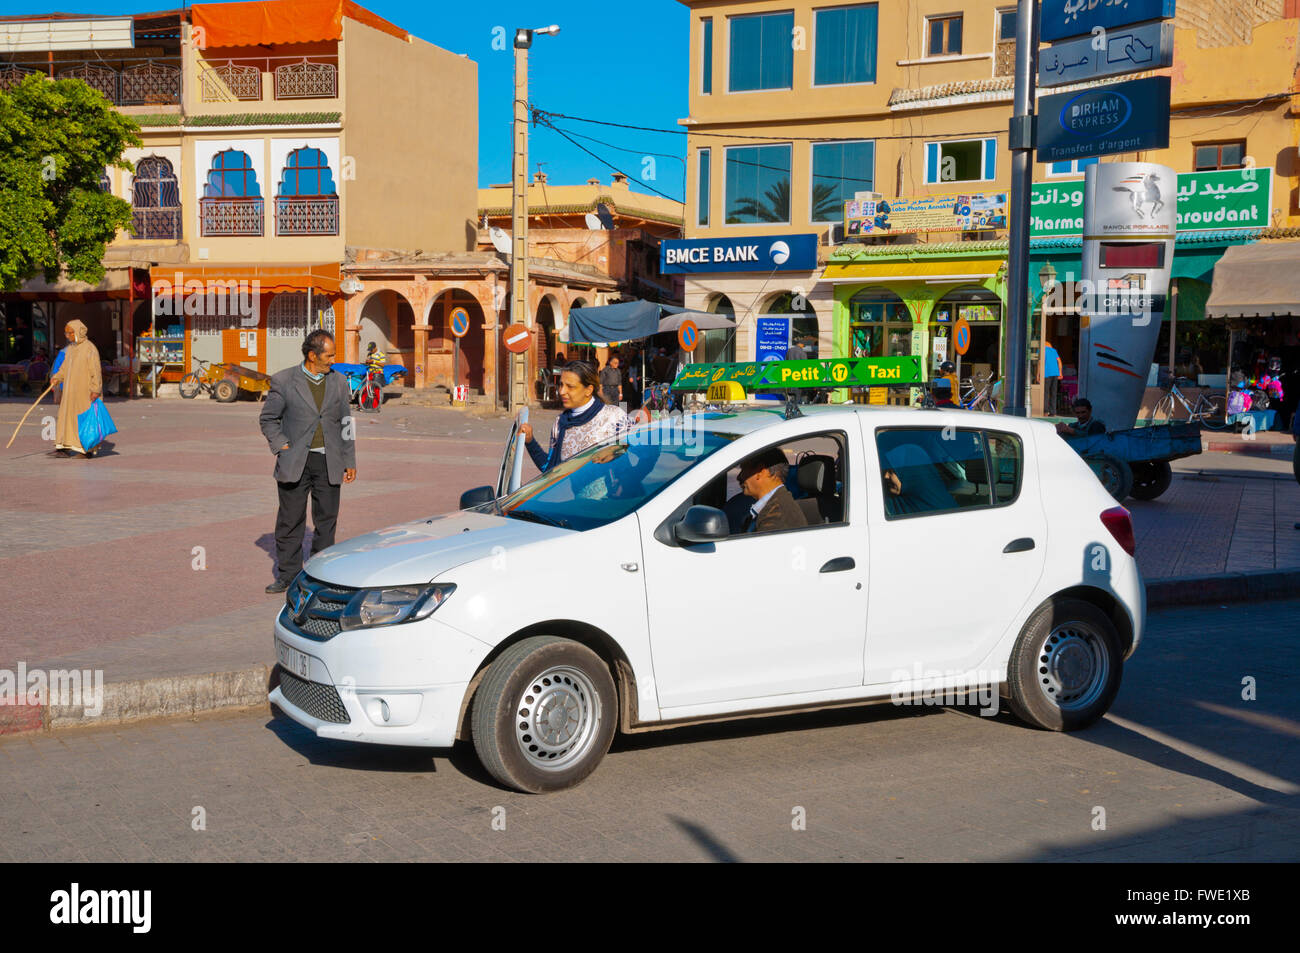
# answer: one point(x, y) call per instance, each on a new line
point(796, 375)
point(726, 392)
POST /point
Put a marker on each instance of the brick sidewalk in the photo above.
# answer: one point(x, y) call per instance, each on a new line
point(98, 556)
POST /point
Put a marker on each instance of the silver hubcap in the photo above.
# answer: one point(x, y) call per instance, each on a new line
point(1073, 666)
point(556, 718)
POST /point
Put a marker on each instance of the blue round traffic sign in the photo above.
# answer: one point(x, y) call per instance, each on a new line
point(459, 322)
point(688, 335)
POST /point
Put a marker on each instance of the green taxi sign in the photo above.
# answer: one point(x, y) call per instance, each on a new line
point(795, 375)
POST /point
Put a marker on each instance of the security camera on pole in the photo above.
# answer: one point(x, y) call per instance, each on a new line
point(517, 391)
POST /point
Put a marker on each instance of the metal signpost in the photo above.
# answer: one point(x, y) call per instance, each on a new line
point(459, 327)
point(1106, 38)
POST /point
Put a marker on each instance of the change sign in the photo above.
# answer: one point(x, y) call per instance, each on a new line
point(1125, 50)
point(1104, 120)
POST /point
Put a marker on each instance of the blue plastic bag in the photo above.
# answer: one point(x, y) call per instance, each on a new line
point(94, 424)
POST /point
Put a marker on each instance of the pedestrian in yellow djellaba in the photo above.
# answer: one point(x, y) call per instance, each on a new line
point(82, 384)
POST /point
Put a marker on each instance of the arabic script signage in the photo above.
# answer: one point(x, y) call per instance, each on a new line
point(1124, 50)
point(1207, 201)
point(934, 213)
point(1065, 18)
point(789, 375)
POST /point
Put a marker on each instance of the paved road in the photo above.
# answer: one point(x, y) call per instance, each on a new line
point(1184, 768)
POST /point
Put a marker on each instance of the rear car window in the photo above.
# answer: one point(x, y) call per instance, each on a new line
point(932, 470)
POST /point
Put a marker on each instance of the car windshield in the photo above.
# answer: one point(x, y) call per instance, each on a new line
point(606, 482)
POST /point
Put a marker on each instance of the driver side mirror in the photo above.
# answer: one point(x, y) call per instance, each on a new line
point(477, 497)
point(702, 524)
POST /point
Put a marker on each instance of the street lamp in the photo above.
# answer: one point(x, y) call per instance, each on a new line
point(516, 389)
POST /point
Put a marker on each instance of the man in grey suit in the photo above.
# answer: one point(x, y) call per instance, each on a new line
point(304, 420)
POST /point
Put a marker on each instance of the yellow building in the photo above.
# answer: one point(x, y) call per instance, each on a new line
point(277, 135)
point(796, 107)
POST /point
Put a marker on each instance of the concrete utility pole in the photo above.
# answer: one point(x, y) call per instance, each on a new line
point(519, 314)
point(1021, 141)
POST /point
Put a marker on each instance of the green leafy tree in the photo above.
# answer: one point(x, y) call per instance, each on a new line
point(56, 138)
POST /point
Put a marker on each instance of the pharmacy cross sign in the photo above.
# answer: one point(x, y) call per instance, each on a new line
point(795, 375)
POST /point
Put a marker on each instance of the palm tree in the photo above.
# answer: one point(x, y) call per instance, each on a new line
point(776, 208)
point(826, 204)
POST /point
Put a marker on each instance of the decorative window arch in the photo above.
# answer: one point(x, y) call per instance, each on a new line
point(231, 175)
point(307, 173)
point(155, 200)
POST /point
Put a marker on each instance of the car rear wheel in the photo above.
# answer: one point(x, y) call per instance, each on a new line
point(544, 715)
point(1066, 666)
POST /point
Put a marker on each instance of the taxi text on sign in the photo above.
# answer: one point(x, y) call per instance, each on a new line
point(792, 375)
point(1061, 19)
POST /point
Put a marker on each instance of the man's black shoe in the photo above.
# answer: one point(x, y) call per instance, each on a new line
point(280, 585)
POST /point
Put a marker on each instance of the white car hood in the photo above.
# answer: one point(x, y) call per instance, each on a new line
point(416, 552)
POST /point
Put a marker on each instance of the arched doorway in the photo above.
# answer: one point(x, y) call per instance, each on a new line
point(441, 352)
point(719, 344)
point(982, 310)
point(804, 328)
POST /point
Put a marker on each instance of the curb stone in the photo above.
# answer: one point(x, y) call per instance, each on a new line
point(141, 699)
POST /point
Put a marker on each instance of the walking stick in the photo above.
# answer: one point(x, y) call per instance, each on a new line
point(26, 415)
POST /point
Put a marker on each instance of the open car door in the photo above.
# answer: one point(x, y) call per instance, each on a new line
point(511, 475)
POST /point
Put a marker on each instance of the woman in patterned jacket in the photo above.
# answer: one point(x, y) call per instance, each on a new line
point(586, 420)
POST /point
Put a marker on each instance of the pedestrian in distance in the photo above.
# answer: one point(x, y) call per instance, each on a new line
point(1051, 378)
point(611, 382)
point(81, 379)
point(307, 424)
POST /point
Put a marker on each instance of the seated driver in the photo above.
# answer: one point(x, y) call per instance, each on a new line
point(762, 477)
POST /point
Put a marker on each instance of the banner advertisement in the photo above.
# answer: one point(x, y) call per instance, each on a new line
point(935, 213)
point(1207, 201)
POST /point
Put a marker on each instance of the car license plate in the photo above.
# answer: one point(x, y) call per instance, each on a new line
point(299, 663)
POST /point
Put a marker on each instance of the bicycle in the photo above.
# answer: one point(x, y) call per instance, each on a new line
point(1208, 411)
point(197, 382)
point(978, 395)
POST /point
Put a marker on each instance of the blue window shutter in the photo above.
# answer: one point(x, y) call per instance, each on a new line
point(932, 162)
point(990, 158)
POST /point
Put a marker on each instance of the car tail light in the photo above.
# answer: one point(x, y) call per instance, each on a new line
point(1117, 520)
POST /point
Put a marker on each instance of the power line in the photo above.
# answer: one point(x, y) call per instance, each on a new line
point(601, 159)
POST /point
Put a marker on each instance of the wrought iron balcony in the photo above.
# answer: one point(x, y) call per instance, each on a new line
point(231, 216)
point(146, 83)
point(157, 224)
point(307, 215)
point(296, 77)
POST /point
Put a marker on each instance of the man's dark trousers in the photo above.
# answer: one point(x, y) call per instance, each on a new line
point(291, 520)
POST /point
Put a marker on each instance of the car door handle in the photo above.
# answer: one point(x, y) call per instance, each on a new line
point(1022, 545)
point(840, 564)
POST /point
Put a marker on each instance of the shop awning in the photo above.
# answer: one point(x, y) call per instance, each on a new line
point(275, 22)
point(271, 279)
point(956, 271)
point(1256, 281)
point(115, 284)
point(634, 320)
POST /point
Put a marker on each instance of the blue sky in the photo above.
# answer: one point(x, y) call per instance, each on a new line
point(619, 61)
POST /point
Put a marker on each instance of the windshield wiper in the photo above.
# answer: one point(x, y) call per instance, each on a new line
point(534, 517)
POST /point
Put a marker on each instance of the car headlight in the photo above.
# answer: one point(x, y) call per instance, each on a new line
point(372, 607)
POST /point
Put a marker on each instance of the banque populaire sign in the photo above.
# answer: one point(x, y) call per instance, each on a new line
point(1220, 200)
point(1104, 120)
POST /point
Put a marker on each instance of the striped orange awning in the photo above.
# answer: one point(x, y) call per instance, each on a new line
point(271, 279)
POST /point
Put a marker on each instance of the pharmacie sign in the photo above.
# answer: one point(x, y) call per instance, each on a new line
point(765, 253)
point(1207, 201)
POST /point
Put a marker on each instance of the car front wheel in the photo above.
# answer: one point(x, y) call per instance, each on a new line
point(1065, 668)
point(544, 715)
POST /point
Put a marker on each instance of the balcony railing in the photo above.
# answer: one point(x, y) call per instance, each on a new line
point(157, 224)
point(294, 77)
point(234, 216)
point(307, 215)
point(146, 83)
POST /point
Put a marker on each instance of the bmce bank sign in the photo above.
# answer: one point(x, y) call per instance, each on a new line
point(693, 256)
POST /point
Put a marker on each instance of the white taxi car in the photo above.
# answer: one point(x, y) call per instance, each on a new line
point(627, 589)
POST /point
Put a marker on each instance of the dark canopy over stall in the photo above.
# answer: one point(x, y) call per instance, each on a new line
point(1256, 281)
point(634, 320)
